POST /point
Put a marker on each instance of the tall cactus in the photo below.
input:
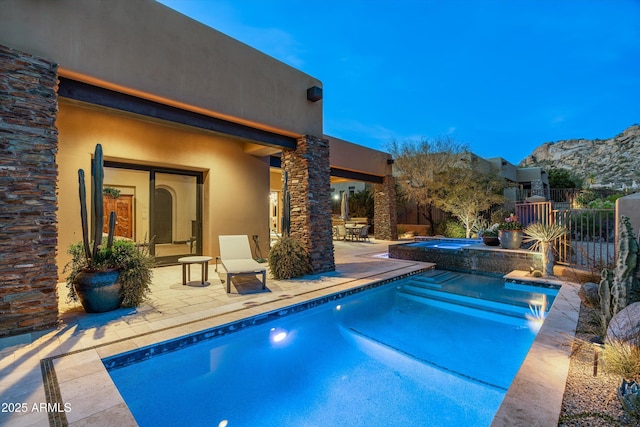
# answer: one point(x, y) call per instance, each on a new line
point(98, 208)
point(619, 288)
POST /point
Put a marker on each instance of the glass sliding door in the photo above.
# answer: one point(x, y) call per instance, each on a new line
point(176, 219)
point(157, 206)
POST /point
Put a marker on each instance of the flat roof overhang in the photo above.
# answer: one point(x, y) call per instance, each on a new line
point(96, 95)
point(344, 174)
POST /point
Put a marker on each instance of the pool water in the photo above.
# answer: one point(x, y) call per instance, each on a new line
point(452, 244)
point(438, 349)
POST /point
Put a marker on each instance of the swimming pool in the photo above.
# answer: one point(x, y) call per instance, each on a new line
point(433, 349)
point(453, 244)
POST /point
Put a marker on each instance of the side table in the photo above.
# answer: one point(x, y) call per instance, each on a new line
point(186, 267)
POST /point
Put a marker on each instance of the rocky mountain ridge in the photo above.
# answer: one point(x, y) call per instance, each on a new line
point(606, 163)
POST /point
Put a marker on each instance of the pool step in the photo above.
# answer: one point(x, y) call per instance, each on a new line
point(522, 287)
point(470, 305)
point(436, 276)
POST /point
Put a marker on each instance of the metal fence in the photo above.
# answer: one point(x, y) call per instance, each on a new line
point(590, 240)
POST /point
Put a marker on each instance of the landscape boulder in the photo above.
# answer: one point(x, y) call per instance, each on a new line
point(625, 325)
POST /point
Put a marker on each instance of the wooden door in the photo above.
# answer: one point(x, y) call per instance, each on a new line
point(123, 207)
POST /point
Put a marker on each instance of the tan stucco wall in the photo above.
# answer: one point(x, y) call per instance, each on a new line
point(236, 185)
point(629, 206)
point(353, 157)
point(147, 49)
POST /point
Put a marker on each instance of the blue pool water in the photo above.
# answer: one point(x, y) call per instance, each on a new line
point(453, 244)
point(438, 349)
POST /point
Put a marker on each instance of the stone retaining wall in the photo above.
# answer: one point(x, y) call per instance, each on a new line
point(28, 174)
point(477, 258)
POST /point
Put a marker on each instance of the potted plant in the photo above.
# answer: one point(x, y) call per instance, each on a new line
point(544, 237)
point(510, 232)
point(103, 273)
point(490, 235)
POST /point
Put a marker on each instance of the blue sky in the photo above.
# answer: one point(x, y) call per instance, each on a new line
point(500, 76)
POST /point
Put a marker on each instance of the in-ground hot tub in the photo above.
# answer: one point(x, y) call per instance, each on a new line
point(467, 255)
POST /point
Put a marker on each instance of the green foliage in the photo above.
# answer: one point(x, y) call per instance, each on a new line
point(361, 204)
point(585, 197)
point(468, 191)
point(563, 178)
point(135, 265)
point(136, 271)
point(420, 166)
point(288, 259)
point(111, 192)
point(451, 229)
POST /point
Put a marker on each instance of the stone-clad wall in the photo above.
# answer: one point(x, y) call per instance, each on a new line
point(476, 259)
point(28, 174)
point(385, 215)
point(310, 188)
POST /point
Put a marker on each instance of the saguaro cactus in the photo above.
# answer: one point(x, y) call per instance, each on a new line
point(619, 288)
point(98, 209)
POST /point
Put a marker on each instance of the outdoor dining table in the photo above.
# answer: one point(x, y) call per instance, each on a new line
point(353, 230)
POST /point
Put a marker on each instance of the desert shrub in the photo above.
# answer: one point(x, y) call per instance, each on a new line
point(622, 358)
point(288, 259)
point(451, 229)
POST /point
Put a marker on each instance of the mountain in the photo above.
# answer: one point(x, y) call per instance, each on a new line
point(613, 162)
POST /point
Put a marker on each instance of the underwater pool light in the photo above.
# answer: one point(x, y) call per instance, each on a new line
point(277, 335)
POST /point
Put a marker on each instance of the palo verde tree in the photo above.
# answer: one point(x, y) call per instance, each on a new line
point(468, 190)
point(420, 168)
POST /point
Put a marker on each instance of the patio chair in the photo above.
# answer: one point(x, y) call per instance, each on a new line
point(340, 232)
point(364, 233)
point(236, 258)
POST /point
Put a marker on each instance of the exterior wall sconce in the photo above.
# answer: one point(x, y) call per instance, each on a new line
point(314, 93)
point(390, 161)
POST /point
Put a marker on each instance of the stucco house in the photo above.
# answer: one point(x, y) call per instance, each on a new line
point(197, 129)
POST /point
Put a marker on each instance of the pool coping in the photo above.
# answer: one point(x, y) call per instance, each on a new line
point(529, 400)
point(535, 395)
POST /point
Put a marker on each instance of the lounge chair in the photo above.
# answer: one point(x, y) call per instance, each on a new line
point(237, 260)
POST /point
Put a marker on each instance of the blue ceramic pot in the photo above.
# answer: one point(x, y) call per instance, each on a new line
point(98, 291)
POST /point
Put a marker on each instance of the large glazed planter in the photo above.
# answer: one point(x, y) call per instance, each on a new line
point(510, 239)
point(99, 291)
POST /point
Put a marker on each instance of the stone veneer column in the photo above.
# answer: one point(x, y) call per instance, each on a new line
point(385, 217)
point(28, 174)
point(310, 188)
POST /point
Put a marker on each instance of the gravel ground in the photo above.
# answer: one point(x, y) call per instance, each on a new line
point(590, 400)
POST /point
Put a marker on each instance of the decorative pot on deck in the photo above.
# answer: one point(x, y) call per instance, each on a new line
point(99, 291)
point(490, 240)
point(510, 239)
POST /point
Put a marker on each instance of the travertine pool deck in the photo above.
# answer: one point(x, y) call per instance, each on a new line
point(69, 357)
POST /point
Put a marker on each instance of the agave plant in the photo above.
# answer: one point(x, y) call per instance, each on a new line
point(544, 237)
